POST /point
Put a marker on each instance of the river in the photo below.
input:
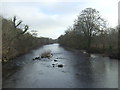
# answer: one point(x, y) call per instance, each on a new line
point(78, 71)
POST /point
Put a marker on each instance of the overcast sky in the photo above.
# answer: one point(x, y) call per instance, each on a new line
point(52, 17)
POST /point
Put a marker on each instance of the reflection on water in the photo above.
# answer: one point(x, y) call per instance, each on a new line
point(78, 70)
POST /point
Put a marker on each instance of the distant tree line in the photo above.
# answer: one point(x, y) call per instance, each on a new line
point(91, 33)
point(17, 40)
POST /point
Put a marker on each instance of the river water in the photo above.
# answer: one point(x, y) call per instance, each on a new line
point(78, 71)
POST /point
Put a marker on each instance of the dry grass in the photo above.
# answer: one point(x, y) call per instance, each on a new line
point(46, 54)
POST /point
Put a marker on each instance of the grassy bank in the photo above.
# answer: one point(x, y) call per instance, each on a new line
point(106, 53)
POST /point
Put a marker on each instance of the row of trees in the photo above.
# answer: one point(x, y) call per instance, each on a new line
point(90, 32)
point(17, 40)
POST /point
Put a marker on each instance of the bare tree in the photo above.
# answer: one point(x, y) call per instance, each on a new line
point(90, 24)
point(17, 23)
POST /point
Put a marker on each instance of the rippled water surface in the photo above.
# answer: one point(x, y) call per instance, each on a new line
point(79, 71)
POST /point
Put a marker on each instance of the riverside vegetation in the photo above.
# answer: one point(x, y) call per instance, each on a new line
point(17, 40)
point(90, 32)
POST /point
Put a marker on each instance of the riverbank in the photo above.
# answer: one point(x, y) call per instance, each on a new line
point(11, 66)
point(13, 55)
point(5, 60)
point(94, 51)
point(78, 71)
point(16, 41)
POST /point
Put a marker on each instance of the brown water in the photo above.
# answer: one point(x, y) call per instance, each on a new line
point(79, 71)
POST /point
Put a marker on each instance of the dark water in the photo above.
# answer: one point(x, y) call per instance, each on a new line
point(79, 71)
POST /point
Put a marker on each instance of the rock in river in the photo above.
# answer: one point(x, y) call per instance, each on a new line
point(36, 58)
point(55, 60)
point(60, 65)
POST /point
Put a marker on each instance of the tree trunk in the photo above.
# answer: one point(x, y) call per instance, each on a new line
point(89, 44)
